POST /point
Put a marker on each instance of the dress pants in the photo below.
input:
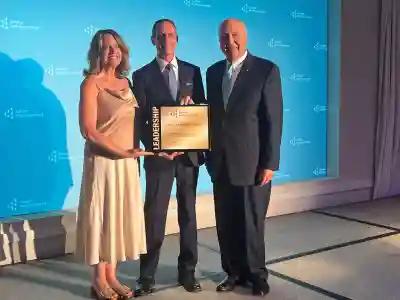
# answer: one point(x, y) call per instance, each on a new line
point(240, 216)
point(158, 191)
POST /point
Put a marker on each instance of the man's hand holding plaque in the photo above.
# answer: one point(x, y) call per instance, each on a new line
point(170, 156)
point(186, 100)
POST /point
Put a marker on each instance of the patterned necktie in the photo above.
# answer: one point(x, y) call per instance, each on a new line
point(170, 80)
point(227, 85)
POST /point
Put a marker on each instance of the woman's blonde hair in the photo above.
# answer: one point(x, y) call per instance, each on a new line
point(94, 54)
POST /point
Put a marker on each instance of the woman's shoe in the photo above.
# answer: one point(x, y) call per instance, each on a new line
point(124, 292)
point(106, 294)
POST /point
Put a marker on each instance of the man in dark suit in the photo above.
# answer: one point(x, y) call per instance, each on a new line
point(168, 81)
point(245, 98)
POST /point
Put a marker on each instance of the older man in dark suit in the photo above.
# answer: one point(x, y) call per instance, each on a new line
point(245, 98)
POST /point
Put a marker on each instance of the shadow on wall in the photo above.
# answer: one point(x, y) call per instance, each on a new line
point(35, 172)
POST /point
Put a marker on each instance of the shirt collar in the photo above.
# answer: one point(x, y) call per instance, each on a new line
point(163, 63)
point(238, 62)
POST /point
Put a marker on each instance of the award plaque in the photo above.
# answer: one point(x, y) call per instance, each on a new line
point(180, 128)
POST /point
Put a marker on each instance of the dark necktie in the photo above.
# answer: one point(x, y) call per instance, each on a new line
point(170, 80)
point(165, 73)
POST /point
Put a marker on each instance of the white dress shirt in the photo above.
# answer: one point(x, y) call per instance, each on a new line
point(234, 67)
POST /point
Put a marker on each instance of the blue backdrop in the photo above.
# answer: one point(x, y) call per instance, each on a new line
point(43, 46)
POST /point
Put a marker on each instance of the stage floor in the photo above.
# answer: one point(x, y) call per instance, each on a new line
point(347, 252)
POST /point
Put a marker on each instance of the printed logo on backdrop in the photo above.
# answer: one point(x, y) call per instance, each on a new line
point(91, 30)
point(319, 171)
point(61, 71)
point(197, 3)
point(252, 9)
point(17, 204)
point(273, 43)
point(18, 113)
point(10, 24)
point(297, 141)
point(300, 15)
point(296, 77)
point(13, 205)
point(57, 156)
point(321, 47)
point(320, 108)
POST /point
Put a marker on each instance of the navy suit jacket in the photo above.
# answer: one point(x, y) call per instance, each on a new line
point(151, 90)
point(247, 135)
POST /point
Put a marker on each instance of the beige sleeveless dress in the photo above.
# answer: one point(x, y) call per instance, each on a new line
point(110, 226)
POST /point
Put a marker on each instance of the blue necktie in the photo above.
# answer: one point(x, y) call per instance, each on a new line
point(227, 85)
point(170, 80)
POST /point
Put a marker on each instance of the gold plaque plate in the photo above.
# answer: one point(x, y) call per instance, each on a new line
point(180, 128)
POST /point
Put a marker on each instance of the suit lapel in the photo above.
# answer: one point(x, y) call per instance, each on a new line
point(240, 81)
point(182, 78)
point(218, 80)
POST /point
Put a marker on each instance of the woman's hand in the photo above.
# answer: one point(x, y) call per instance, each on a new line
point(135, 153)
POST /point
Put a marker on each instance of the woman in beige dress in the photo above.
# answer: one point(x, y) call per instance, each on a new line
point(110, 226)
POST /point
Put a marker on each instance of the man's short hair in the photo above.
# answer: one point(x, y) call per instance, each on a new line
point(156, 23)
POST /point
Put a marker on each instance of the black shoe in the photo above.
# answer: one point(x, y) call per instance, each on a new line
point(242, 281)
point(230, 282)
point(144, 287)
point(189, 283)
point(260, 287)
